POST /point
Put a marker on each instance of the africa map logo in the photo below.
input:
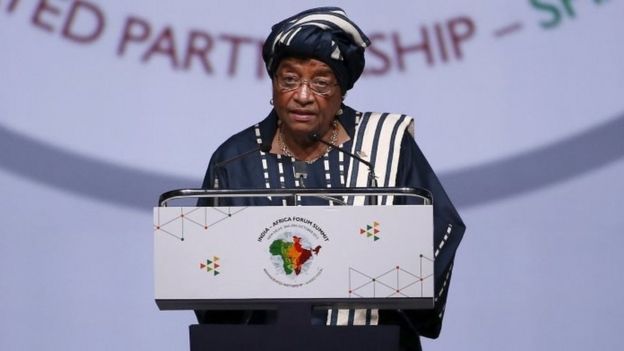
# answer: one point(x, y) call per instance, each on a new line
point(292, 254)
point(210, 266)
point(371, 231)
point(292, 246)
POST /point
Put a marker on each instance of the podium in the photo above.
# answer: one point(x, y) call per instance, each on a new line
point(296, 260)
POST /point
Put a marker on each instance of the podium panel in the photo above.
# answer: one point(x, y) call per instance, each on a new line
point(254, 257)
point(277, 338)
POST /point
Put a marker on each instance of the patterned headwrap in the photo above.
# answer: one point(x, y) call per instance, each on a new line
point(323, 33)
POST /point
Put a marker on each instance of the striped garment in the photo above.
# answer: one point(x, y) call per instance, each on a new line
point(378, 140)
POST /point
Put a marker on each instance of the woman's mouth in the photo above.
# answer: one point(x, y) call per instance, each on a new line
point(302, 115)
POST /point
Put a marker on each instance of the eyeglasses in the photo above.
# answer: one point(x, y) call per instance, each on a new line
point(319, 86)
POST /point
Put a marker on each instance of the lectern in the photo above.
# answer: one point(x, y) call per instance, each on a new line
point(294, 259)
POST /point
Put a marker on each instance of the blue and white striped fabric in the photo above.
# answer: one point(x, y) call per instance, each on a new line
point(378, 139)
point(353, 317)
point(326, 19)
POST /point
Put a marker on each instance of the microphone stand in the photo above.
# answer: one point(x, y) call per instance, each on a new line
point(301, 173)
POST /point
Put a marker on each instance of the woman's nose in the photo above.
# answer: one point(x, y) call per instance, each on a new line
point(303, 92)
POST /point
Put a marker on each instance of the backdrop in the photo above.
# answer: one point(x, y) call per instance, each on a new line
point(105, 104)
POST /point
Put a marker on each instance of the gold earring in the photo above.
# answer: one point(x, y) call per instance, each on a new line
point(339, 112)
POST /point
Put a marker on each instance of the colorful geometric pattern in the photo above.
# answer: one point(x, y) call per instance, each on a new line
point(210, 265)
point(203, 217)
point(371, 230)
point(393, 282)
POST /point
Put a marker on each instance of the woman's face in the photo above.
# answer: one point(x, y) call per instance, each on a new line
point(300, 108)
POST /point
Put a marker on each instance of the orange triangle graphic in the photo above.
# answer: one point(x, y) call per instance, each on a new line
point(202, 266)
point(376, 224)
point(376, 231)
point(216, 265)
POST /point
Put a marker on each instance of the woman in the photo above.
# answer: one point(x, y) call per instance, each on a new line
point(313, 59)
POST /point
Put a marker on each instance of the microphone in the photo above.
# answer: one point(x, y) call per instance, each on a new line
point(372, 179)
point(301, 172)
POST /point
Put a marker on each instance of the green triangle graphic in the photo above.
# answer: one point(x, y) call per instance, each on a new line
point(216, 272)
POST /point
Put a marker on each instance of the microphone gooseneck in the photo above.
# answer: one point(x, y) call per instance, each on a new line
point(264, 147)
point(316, 137)
point(372, 179)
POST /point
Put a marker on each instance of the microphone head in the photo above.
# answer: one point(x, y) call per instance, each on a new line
point(314, 136)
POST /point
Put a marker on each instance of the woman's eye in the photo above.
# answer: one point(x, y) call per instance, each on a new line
point(321, 83)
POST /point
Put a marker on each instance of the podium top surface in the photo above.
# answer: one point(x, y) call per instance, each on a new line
point(423, 194)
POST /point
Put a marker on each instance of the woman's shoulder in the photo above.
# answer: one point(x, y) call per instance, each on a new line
point(247, 139)
point(387, 121)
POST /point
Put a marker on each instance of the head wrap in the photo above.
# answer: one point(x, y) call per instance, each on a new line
point(323, 33)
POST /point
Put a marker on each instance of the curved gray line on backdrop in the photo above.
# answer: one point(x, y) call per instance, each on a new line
point(476, 185)
point(101, 180)
point(550, 164)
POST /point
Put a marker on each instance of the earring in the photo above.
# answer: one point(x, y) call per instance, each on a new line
point(271, 102)
point(339, 112)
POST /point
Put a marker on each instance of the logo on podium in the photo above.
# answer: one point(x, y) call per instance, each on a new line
point(292, 246)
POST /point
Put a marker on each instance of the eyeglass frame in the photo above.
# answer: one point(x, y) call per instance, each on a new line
point(300, 82)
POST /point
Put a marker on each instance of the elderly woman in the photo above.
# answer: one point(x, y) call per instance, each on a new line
point(313, 59)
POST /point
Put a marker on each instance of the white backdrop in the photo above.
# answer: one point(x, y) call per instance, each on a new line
point(104, 105)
